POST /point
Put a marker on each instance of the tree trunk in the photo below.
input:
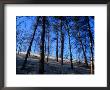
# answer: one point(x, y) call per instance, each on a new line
point(48, 45)
point(85, 61)
point(85, 47)
point(18, 52)
point(45, 48)
point(57, 46)
point(62, 42)
point(41, 63)
point(29, 53)
point(29, 49)
point(67, 27)
point(91, 39)
point(70, 50)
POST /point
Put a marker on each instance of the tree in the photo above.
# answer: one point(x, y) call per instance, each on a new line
point(56, 29)
point(29, 48)
point(68, 30)
point(77, 27)
point(91, 45)
point(48, 45)
point(62, 38)
point(41, 63)
point(84, 53)
point(57, 45)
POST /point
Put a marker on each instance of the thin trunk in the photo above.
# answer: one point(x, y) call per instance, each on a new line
point(29, 49)
point(91, 39)
point(41, 63)
point(62, 42)
point(18, 52)
point(70, 50)
point(45, 48)
point(67, 27)
point(57, 46)
point(48, 45)
point(16, 49)
point(83, 49)
point(29, 53)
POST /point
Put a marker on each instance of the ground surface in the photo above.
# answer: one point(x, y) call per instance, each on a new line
point(50, 67)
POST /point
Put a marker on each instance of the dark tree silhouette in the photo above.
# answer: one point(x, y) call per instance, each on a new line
point(48, 45)
point(56, 29)
point(57, 45)
point(29, 49)
point(62, 38)
point(91, 41)
point(70, 49)
point(69, 40)
point(77, 26)
point(85, 58)
point(41, 63)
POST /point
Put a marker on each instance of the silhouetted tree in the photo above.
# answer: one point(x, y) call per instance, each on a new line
point(62, 38)
point(29, 49)
point(41, 64)
point(91, 45)
point(68, 30)
point(77, 26)
point(56, 29)
point(48, 45)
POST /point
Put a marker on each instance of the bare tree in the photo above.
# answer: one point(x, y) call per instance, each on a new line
point(62, 39)
point(80, 39)
point(70, 49)
point(41, 64)
point(57, 35)
point(29, 48)
point(68, 31)
point(85, 58)
point(91, 45)
point(56, 29)
point(48, 45)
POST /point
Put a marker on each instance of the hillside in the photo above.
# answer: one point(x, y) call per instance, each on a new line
point(50, 67)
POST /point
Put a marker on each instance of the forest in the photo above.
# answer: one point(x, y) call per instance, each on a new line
point(55, 45)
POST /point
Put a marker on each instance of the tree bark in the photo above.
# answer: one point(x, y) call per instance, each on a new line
point(48, 45)
point(57, 46)
point(67, 27)
point(45, 48)
point(62, 42)
point(41, 63)
point(91, 46)
point(85, 61)
point(70, 50)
